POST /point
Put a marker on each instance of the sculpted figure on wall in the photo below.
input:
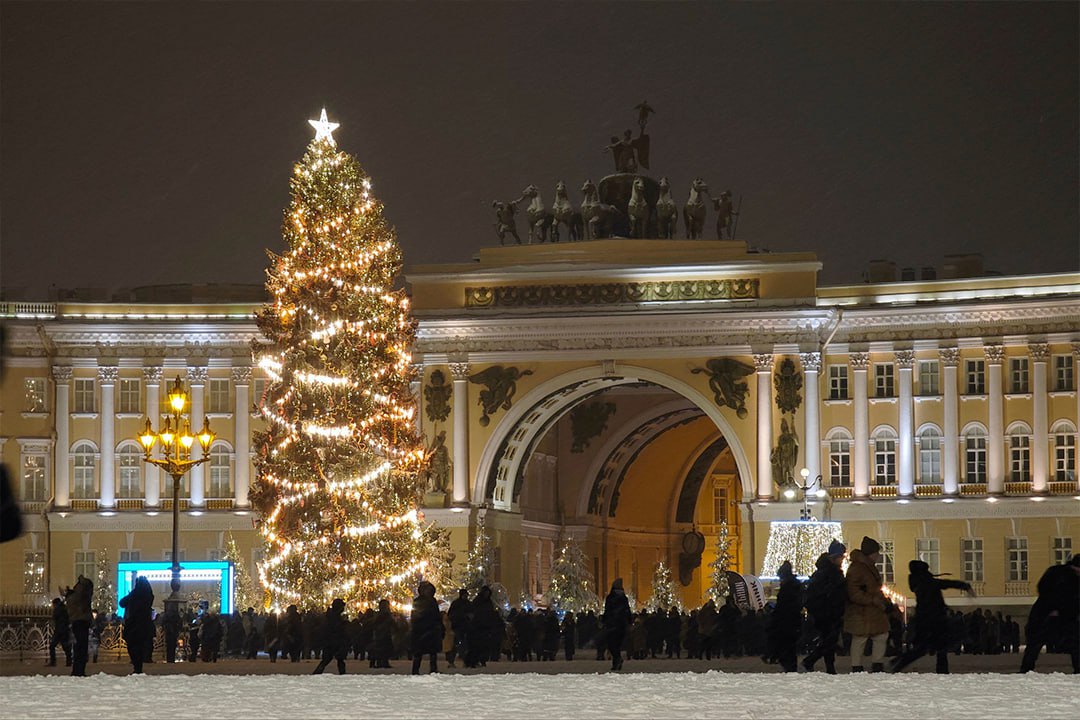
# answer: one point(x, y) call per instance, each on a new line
point(500, 385)
point(437, 397)
point(726, 381)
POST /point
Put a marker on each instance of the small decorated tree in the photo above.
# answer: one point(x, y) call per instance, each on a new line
point(570, 581)
point(664, 595)
point(477, 569)
point(247, 592)
point(104, 589)
point(718, 579)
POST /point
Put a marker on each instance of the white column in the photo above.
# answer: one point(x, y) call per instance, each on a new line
point(950, 434)
point(107, 380)
point(995, 450)
point(764, 363)
point(241, 377)
point(860, 451)
point(811, 363)
point(1040, 466)
point(415, 387)
point(905, 426)
point(460, 373)
point(61, 459)
point(197, 379)
point(151, 476)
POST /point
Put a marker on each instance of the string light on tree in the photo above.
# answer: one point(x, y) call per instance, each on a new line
point(719, 589)
point(476, 572)
point(801, 542)
point(339, 465)
point(569, 588)
point(664, 595)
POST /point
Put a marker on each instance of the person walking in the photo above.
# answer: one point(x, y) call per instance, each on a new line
point(931, 617)
point(61, 633)
point(616, 619)
point(81, 616)
point(427, 628)
point(786, 621)
point(483, 624)
point(865, 616)
point(382, 637)
point(335, 640)
point(138, 606)
point(291, 634)
point(569, 635)
point(826, 598)
point(1054, 614)
point(458, 614)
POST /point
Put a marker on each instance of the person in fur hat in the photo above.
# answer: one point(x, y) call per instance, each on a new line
point(866, 615)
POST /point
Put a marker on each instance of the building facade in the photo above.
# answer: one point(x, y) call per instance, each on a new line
point(630, 394)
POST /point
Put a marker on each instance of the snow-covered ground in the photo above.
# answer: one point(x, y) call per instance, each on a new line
point(630, 695)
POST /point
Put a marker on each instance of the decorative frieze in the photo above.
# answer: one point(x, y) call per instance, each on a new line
point(905, 358)
point(152, 374)
point(859, 360)
point(610, 293)
point(459, 370)
point(61, 373)
point(241, 375)
point(1040, 352)
point(995, 354)
point(197, 374)
point(811, 361)
point(950, 356)
point(763, 362)
point(107, 375)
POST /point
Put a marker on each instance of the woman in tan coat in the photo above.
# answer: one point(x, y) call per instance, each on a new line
point(865, 616)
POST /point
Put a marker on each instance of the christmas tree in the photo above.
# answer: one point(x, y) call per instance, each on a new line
point(339, 465)
point(664, 595)
point(718, 580)
point(476, 572)
point(570, 581)
point(247, 593)
point(104, 599)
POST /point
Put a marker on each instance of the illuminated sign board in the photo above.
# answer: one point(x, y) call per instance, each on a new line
point(214, 573)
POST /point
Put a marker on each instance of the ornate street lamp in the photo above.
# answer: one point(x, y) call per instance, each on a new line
point(176, 442)
point(806, 485)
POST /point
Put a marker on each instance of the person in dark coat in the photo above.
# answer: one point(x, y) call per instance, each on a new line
point(291, 632)
point(616, 620)
point(484, 622)
point(335, 639)
point(458, 613)
point(931, 617)
point(569, 635)
point(1055, 614)
point(61, 633)
point(382, 636)
point(427, 628)
point(138, 606)
point(81, 616)
point(212, 634)
point(786, 622)
point(826, 597)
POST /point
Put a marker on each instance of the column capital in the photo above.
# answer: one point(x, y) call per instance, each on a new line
point(61, 373)
point(1040, 352)
point(152, 374)
point(107, 375)
point(811, 361)
point(763, 362)
point(859, 360)
point(459, 370)
point(1076, 349)
point(241, 375)
point(905, 358)
point(197, 375)
point(995, 354)
point(950, 356)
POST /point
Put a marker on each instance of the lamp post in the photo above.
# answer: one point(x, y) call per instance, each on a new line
point(805, 486)
point(176, 442)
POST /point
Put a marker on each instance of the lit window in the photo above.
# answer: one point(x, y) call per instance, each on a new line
point(971, 550)
point(130, 400)
point(884, 386)
point(976, 377)
point(720, 503)
point(218, 401)
point(838, 382)
point(885, 458)
point(1017, 558)
point(885, 565)
point(83, 480)
point(929, 551)
point(33, 572)
point(929, 378)
point(35, 479)
point(84, 395)
point(1064, 453)
point(34, 394)
point(930, 456)
point(258, 389)
point(129, 465)
point(220, 471)
point(1020, 458)
point(1018, 375)
point(975, 455)
point(840, 462)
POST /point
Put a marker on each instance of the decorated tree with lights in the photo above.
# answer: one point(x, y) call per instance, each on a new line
point(718, 579)
point(664, 595)
point(104, 599)
point(247, 593)
point(570, 580)
point(476, 572)
point(339, 465)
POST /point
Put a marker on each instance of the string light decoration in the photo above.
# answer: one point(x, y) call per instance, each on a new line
point(339, 465)
point(664, 595)
point(476, 572)
point(719, 588)
point(568, 589)
point(801, 542)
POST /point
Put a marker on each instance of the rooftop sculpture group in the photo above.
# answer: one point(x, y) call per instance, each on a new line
point(625, 204)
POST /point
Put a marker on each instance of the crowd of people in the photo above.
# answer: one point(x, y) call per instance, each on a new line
point(833, 613)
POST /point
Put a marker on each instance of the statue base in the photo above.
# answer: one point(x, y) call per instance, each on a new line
point(435, 500)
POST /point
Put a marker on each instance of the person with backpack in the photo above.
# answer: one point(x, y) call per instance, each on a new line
point(826, 597)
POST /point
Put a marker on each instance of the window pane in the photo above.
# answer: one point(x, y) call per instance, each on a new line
point(35, 395)
point(33, 572)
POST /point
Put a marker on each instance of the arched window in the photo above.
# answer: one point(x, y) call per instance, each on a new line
point(839, 443)
point(1019, 452)
point(1064, 434)
point(83, 479)
point(220, 471)
point(129, 470)
point(930, 455)
point(975, 454)
point(885, 456)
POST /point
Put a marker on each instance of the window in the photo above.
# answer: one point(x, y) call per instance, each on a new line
point(840, 462)
point(971, 552)
point(720, 502)
point(33, 572)
point(218, 401)
point(86, 563)
point(1063, 372)
point(83, 483)
point(1018, 375)
point(258, 389)
point(930, 456)
point(167, 555)
point(84, 395)
point(975, 455)
point(130, 397)
point(1017, 558)
point(34, 394)
point(929, 551)
point(885, 565)
point(220, 471)
point(1061, 550)
point(929, 382)
point(1020, 458)
point(130, 556)
point(885, 458)
point(215, 554)
point(1064, 453)
point(129, 465)
point(838, 382)
point(167, 483)
point(976, 377)
point(884, 387)
point(35, 479)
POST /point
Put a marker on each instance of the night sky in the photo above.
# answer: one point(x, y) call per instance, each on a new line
point(150, 143)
